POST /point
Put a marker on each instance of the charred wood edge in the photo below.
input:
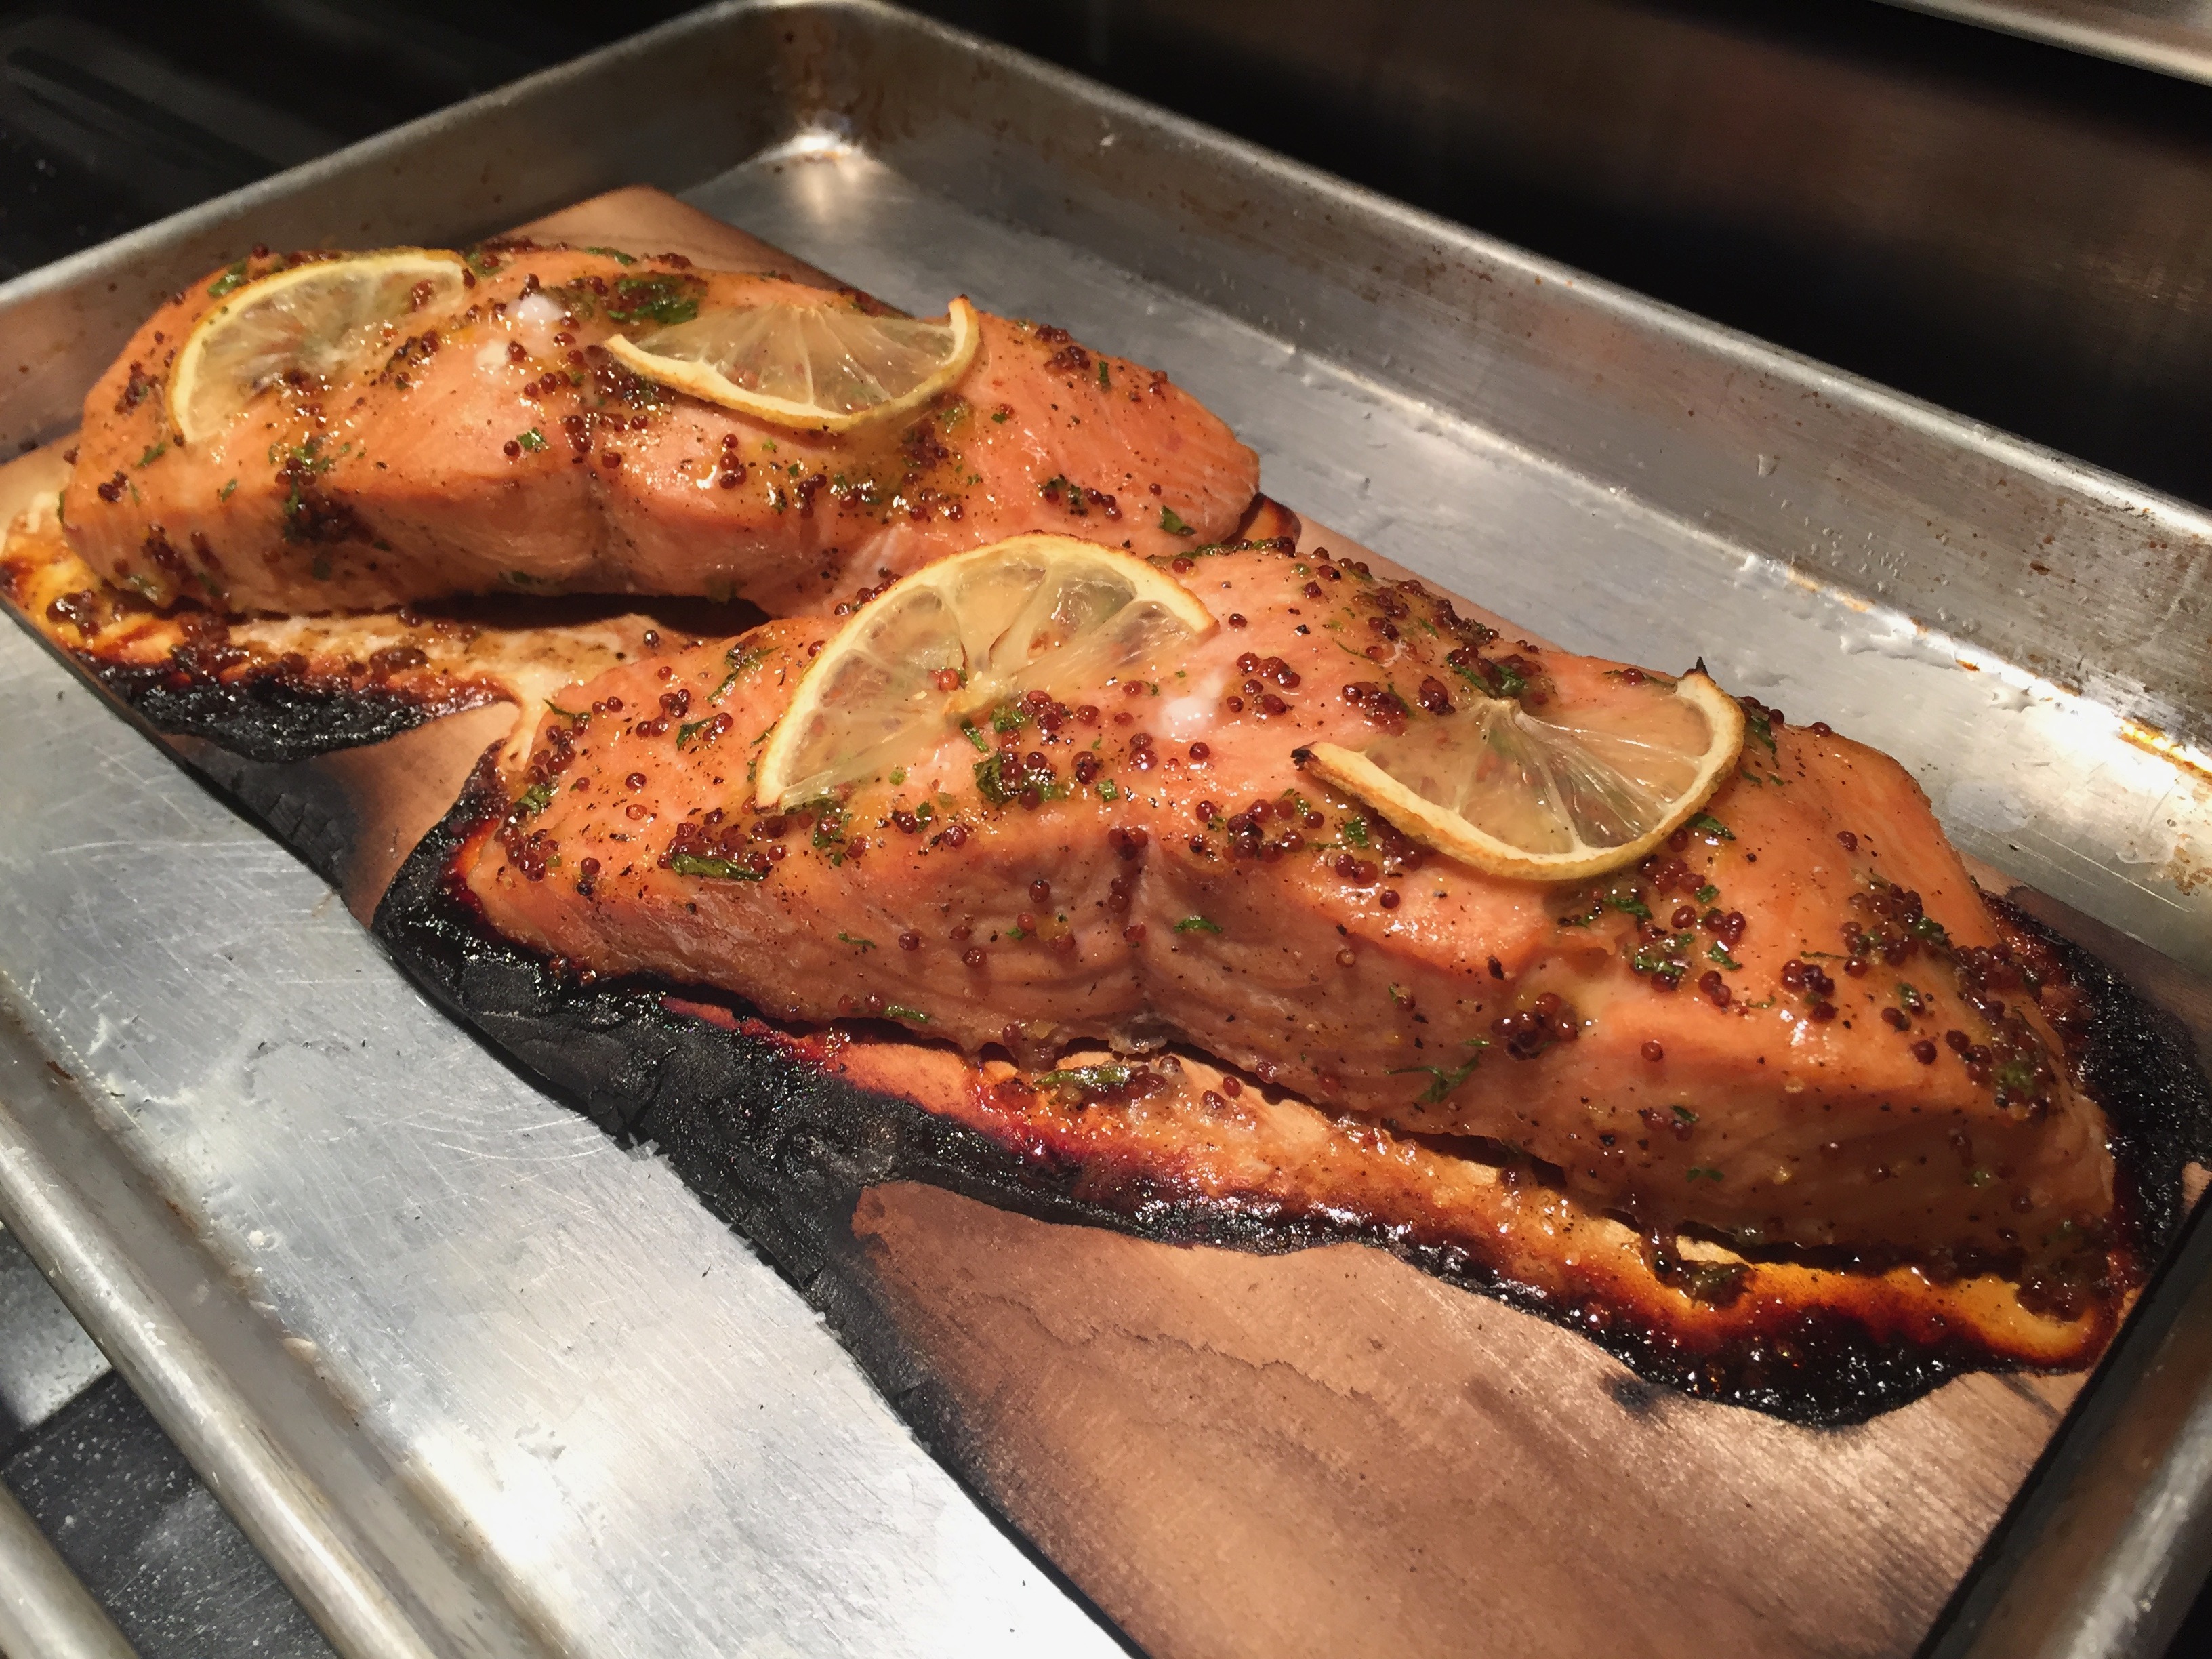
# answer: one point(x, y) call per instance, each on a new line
point(265, 714)
point(782, 1152)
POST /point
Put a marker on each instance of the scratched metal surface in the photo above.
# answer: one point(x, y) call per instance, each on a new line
point(644, 1438)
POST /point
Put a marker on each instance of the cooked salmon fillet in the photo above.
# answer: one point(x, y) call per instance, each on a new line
point(501, 449)
point(1797, 1024)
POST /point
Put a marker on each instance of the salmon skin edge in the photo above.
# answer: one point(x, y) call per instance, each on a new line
point(736, 1103)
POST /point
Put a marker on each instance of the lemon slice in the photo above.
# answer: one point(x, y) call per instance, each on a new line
point(960, 637)
point(320, 316)
point(1550, 800)
point(825, 368)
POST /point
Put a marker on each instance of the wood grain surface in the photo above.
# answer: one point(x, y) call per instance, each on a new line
point(1328, 1452)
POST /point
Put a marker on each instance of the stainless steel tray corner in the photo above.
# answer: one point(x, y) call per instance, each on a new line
point(454, 1351)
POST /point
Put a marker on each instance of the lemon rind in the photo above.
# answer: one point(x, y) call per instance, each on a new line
point(1447, 832)
point(1147, 581)
point(711, 385)
point(183, 379)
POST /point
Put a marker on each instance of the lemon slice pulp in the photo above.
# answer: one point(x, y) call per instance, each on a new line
point(959, 637)
point(1560, 799)
point(321, 317)
point(825, 368)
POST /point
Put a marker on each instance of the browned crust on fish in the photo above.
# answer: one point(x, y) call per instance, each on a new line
point(1177, 1148)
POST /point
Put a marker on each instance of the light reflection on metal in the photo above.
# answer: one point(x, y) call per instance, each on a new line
point(2173, 39)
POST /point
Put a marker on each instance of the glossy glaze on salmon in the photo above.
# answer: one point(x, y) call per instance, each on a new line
point(501, 449)
point(1796, 1027)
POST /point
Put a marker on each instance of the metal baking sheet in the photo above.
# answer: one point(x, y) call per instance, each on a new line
point(510, 1388)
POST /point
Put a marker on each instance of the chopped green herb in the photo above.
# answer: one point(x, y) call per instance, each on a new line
point(1008, 717)
point(1627, 903)
point(1174, 525)
point(1103, 378)
point(1931, 930)
point(1354, 831)
point(154, 453)
point(898, 776)
point(1712, 826)
point(1761, 726)
point(1442, 1080)
point(565, 714)
point(664, 299)
point(1197, 925)
point(613, 254)
point(1708, 893)
point(534, 800)
point(533, 439)
point(691, 729)
point(1107, 791)
point(1003, 776)
point(223, 494)
point(233, 278)
point(857, 942)
point(691, 864)
point(1662, 956)
point(1002, 416)
point(1704, 1174)
point(981, 743)
point(1493, 679)
point(1719, 952)
point(743, 660)
point(900, 1010)
point(1685, 1113)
